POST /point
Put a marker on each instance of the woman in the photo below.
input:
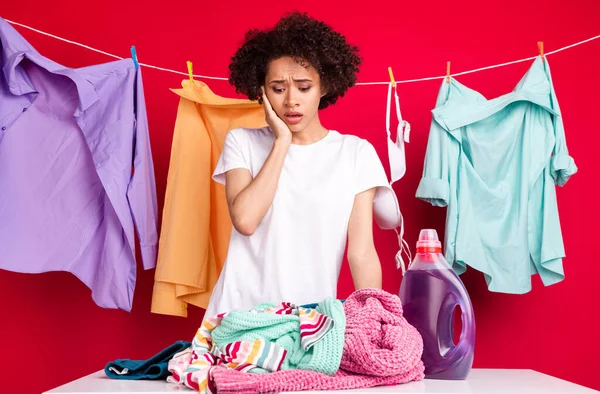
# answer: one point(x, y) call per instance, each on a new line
point(296, 190)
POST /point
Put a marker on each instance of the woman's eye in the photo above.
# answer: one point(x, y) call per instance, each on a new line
point(305, 89)
point(278, 90)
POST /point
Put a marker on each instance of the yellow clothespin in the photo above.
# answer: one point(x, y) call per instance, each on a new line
point(541, 49)
point(448, 72)
point(191, 74)
point(392, 77)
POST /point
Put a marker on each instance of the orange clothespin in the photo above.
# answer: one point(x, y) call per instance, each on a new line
point(541, 50)
point(392, 77)
point(447, 72)
point(190, 73)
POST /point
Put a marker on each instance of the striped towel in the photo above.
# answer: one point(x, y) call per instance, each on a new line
point(313, 325)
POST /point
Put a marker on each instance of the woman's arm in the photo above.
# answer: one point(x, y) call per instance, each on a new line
point(249, 199)
point(362, 256)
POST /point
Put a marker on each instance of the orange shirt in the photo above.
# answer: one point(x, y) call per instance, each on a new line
point(195, 224)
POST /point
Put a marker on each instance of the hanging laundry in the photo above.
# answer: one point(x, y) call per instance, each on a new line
point(495, 164)
point(196, 226)
point(396, 150)
point(267, 338)
point(387, 212)
point(386, 207)
point(69, 199)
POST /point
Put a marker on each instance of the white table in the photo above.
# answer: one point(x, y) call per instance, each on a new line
point(484, 381)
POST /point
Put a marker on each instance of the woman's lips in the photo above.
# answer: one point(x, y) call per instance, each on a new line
point(294, 117)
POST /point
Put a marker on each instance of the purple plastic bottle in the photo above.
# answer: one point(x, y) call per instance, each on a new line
point(430, 292)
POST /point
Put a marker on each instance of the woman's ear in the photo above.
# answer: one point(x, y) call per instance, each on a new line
point(324, 89)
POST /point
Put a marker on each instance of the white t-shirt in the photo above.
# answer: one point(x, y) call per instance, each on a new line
point(296, 252)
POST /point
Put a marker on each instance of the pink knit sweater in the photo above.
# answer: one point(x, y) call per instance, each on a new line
point(380, 348)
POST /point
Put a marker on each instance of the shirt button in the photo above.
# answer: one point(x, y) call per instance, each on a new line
point(24, 109)
point(3, 128)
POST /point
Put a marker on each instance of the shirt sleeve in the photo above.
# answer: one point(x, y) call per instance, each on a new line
point(434, 186)
point(232, 156)
point(386, 210)
point(370, 171)
point(141, 192)
point(562, 165)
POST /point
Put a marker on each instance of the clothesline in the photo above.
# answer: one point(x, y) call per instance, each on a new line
point(359, 83)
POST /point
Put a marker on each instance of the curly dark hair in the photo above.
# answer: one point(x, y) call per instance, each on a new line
point(308, 41)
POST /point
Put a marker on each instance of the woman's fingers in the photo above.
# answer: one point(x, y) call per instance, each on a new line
point(266, 102)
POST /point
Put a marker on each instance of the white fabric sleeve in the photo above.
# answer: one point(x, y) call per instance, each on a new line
point(370, 171)
point(386, 210)
point(232, 156)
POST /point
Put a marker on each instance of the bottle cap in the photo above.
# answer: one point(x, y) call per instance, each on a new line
point(429, 242)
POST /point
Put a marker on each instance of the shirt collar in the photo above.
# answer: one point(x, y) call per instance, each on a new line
point(461, 106)
point(15, 49)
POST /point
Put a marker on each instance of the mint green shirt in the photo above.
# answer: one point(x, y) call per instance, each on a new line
point(494, 164)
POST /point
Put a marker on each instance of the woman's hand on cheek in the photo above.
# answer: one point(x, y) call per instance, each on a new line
point(278, 126)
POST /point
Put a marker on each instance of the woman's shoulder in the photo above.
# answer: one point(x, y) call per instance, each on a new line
point(353, 142)
point(242, 132)
point(250, 136)
point(358, 149)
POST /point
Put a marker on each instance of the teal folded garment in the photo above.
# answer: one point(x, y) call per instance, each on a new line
point(155, 368)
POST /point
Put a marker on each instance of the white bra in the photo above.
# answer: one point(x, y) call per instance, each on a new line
point(386, 209)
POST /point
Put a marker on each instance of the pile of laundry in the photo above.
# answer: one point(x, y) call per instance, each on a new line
point(362, 342)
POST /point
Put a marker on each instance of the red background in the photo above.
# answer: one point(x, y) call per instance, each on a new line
point(50, 325)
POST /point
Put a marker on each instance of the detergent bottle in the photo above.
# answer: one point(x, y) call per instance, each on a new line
point(430, 292)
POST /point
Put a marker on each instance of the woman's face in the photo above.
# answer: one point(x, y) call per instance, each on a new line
point(294, 93)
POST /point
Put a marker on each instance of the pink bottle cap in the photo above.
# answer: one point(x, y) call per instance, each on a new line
point(429, 242)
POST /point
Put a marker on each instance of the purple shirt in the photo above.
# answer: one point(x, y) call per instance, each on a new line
point(76, 170)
